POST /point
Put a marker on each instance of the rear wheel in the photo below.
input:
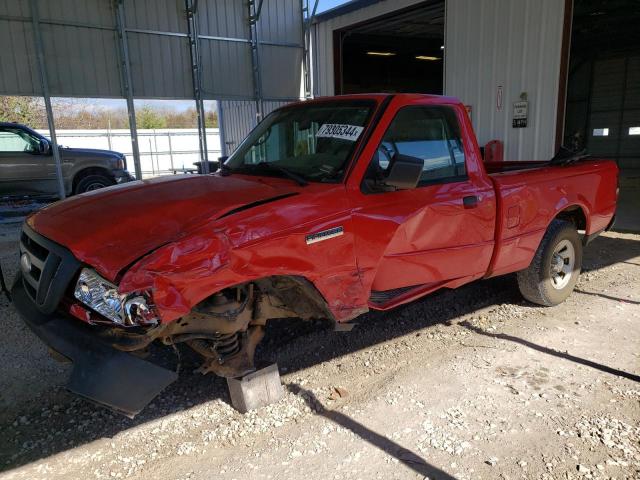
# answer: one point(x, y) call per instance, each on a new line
point(93, 181)
point(555, 268)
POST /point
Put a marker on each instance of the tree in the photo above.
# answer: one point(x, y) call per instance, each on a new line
point(147, 117)
point(211, 119)
point(113, 118)
point(80, 114)
point(26, 110)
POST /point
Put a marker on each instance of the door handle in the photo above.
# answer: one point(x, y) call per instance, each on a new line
point(470, 202)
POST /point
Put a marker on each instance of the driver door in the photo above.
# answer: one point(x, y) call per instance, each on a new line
point(438, 233)
point(23, 170)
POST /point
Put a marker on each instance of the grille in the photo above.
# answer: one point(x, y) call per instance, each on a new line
point(48, 271)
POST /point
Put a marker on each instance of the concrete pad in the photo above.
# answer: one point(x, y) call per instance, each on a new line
point(256, 390)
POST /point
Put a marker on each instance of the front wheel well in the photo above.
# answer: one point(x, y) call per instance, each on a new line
point(298, 294)
point(226, 327)
point(89, 171)
point(257, 301)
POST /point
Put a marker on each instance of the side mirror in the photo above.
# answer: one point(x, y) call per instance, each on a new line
point(223, 159)
point(405, 172)
point(44, 148)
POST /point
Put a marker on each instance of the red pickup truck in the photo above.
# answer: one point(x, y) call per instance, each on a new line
point(329, 208)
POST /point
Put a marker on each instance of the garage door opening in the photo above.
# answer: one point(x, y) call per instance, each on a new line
point(401, 52)
point(603, 93)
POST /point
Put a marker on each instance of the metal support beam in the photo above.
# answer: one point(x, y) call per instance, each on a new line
point(258, 11)
point(307, 19)
point(223, 137)
point(196, 76)
point(44, 84)
point(127, 86)
point(255, 58)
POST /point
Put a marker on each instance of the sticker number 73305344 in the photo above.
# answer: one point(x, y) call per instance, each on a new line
point(336, 130)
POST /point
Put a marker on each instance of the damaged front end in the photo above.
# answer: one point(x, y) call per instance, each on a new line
point(224, 329)
point(111, 329)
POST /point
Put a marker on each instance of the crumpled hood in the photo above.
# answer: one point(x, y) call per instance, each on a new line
point(109, 229)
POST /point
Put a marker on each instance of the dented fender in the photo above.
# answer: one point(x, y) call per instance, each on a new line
point(254, 245)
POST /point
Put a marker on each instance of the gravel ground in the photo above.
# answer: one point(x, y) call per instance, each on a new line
point(466, 384)
point(26, 369)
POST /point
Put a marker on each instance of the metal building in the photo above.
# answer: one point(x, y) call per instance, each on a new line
point(494, 52)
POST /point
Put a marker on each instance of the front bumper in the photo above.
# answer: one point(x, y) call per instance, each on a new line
point(100, 373)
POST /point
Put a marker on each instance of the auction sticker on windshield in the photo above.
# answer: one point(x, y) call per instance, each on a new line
point(336, 130)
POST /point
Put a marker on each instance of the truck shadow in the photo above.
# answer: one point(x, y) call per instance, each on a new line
point(551, 351)
point(297, 345)
point(605, 251)
point(405, 456)
point(609, 297)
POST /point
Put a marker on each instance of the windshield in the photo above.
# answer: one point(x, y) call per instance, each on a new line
point(313, 142)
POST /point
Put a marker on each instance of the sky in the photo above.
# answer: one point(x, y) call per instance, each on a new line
point(328, 4)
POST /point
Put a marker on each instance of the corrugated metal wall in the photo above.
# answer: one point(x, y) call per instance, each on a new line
point(225, 19)
point(280, 34)
point(161, 64)
point(239, 118)
point(283, 75)
point(19, 73)
point(81, 60)
point(515, 44)
point(82, 52)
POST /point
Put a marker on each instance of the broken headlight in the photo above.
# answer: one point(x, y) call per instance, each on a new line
point(102, 296)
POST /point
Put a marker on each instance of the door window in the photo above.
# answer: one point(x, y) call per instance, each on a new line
point(430, 133)
point(15, 140)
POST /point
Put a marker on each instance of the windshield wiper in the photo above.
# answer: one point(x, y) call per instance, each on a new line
point(272, 166)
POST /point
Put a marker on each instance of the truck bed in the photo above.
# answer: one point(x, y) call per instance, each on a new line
point(499, 167)
point(528, 195)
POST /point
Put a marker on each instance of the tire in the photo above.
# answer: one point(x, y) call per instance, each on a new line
point(93, 181)
point(555, 267)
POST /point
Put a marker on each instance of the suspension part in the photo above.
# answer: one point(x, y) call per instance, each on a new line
point(232, 355)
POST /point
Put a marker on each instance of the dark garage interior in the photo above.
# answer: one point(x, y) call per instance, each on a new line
point(403, 52)
point(603, 92)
